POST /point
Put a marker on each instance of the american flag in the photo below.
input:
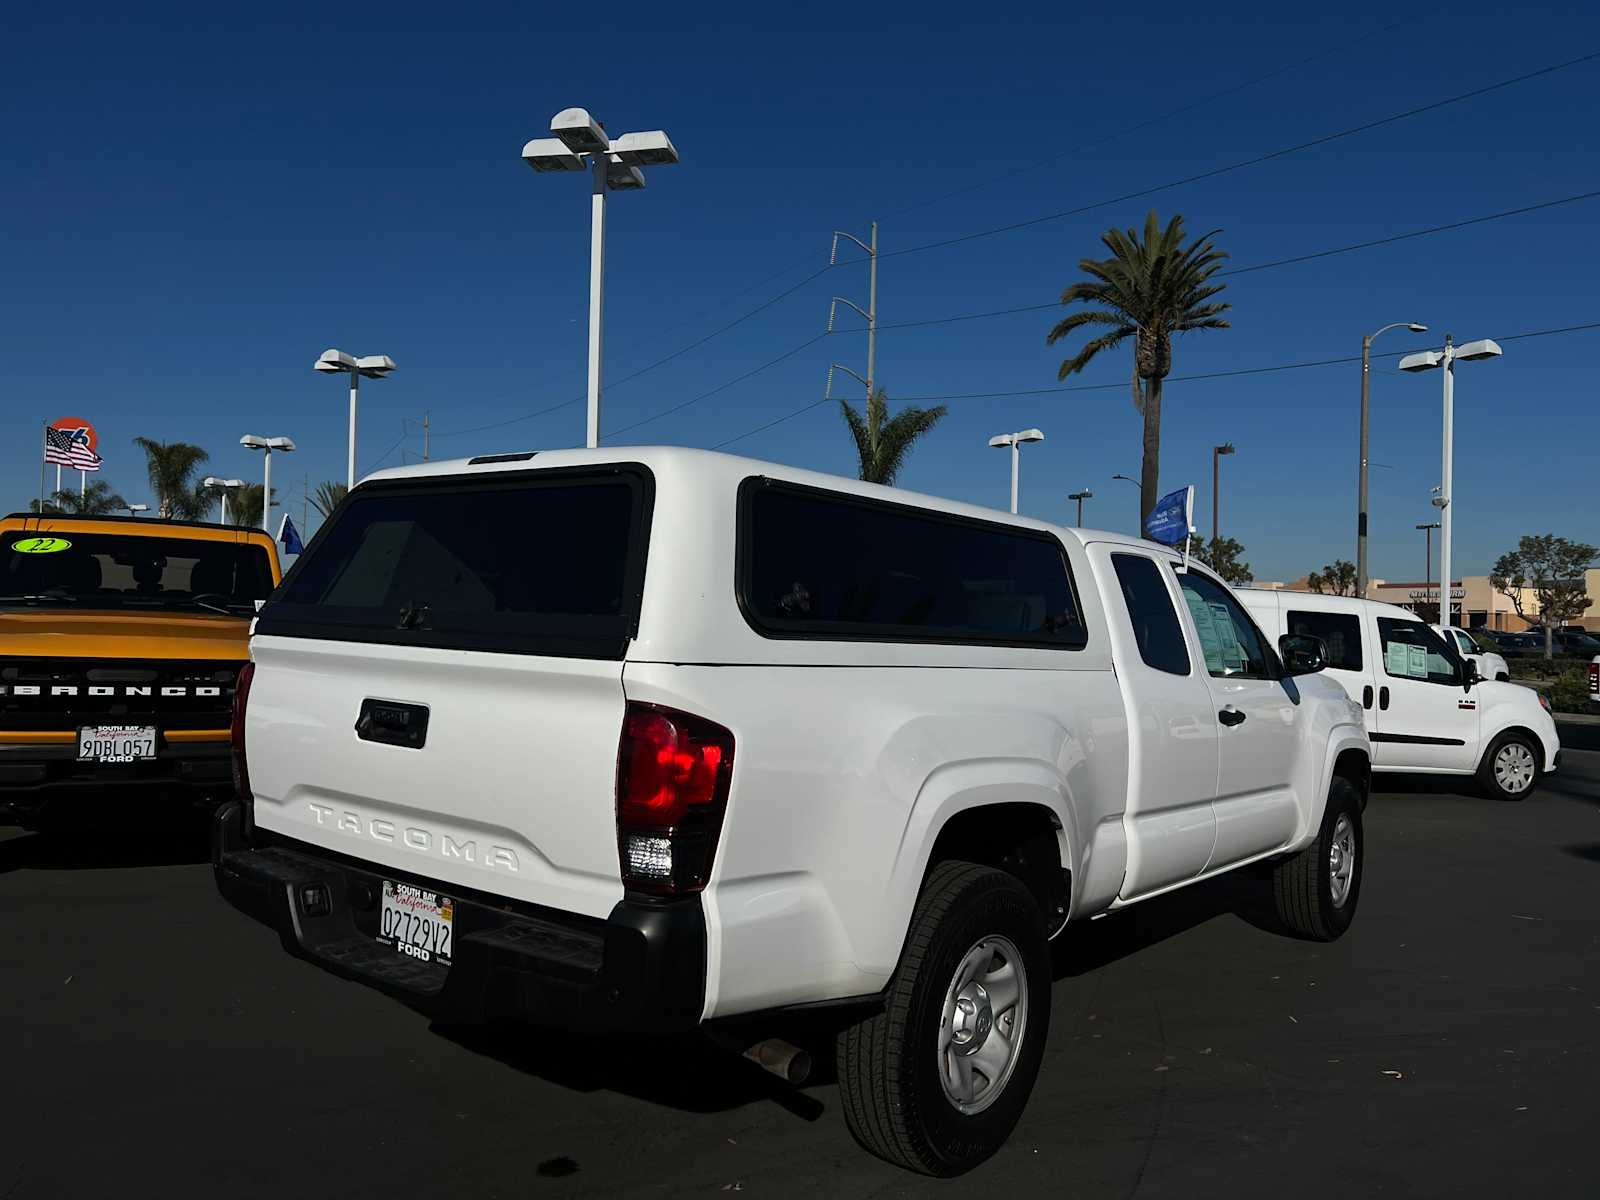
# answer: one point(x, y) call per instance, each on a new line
point(68, 448)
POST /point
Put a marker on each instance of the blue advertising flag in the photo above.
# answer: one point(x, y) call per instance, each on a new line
point(1169, 521)
point(289, 536)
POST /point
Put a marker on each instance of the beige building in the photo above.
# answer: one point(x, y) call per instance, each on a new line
point(1474, 599)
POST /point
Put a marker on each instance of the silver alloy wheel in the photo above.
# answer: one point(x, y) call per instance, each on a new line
point(1514, 768)
point(1342, 860)
point(984, 1021)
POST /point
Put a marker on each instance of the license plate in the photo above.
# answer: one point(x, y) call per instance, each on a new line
point(116, 743)
point(417, 922)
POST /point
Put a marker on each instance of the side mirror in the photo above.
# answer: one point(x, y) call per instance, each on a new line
point(1303, 654)
point(1469, 675)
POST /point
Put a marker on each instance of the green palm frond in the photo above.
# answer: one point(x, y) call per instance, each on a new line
point(883, 443)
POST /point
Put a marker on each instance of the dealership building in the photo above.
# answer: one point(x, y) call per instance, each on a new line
point(1475, 601)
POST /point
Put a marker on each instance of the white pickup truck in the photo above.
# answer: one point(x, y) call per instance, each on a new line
point(641, 740)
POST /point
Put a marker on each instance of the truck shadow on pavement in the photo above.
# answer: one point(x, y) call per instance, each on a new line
point(100, 852)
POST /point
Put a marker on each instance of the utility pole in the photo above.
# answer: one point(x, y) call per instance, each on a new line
point(1427, 556)
point(1216, 453)
point(1361, 477)
point(869, 314)
point(425, 437)
point(305, 504)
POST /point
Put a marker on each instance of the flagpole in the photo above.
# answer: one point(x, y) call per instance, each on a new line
point(83, 484)
point(41, 475)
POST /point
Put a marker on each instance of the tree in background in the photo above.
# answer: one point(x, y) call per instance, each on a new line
point(244, 506)
point(325, 498)
point(95, 499)
point(1222, 555)
point(1149, 289)
point(1338, 579)
point(1552, 569)
point(172, 467)
point(883, 442)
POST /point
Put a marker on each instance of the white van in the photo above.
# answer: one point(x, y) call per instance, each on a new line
point(1426, 710)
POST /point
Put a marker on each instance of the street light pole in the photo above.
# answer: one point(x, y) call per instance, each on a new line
point(373, 366)
point(1427, 360)
point(580, 143)
point(1138, 519)
point(1080, 497)
point(267, 445)
point(1015, 440)
point(1216, 470)
point(1361, 485)
point(1427, 559)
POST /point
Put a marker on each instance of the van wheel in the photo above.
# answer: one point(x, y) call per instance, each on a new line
point(1316, 891)
point(936, 1081)
point(1510, 769)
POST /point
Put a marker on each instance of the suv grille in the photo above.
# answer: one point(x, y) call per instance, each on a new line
point(63, 693)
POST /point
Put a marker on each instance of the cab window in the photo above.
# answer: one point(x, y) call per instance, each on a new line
point(1413, 651)
point(1340, 631)
point(1232, 646)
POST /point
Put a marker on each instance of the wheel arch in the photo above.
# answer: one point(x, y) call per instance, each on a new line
point(1024, 838)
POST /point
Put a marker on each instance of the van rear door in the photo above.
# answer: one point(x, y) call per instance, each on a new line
point(438, 686)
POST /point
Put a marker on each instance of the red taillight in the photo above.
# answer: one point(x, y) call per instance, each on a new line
point(673, 771)
point(241, 697)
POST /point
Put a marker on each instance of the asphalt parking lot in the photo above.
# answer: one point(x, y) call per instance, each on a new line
point(159, 1043)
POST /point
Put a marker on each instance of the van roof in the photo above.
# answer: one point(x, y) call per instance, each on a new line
point(730, 470)
point(1326, 603)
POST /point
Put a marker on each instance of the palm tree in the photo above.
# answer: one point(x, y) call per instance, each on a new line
point(172, 466)
point(327, 495)
point(883, 442)
point(1149, 289)
point(93, 500)
point(244, 506)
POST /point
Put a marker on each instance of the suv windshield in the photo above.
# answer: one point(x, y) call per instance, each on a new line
point(539, 562)
point(71, 569)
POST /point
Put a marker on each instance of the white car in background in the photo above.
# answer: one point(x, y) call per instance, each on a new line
point(1490, 665)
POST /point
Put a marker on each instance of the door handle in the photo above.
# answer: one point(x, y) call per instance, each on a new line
point(1366, 696)
point(1383, 698)
point(1231, 716)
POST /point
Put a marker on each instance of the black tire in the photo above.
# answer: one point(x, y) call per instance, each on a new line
point(1489, 778)
point(890, 1076)
point(1303, 886)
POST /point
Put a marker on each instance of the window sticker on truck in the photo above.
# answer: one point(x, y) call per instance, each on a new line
point(40, 545)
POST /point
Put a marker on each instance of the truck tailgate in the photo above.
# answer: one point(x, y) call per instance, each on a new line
point(512, 790)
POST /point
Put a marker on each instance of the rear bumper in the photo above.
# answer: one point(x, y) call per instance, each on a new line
point(35, 776)
point(640, 971)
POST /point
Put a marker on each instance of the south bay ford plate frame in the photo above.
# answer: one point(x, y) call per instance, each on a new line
point(417, 922)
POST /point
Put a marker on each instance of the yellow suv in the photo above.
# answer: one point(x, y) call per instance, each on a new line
point(120, 643)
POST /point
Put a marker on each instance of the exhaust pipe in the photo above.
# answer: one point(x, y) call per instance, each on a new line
point(789, 1063)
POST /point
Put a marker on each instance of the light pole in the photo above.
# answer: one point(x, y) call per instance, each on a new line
point(1080, 497)
point(1015, 440)
point(1427, 361)
point(267, 445)
point(1427, 559)
point(223, 486)
point(1137, 522)
point(372, 366)
point(1216, 458)
point(1361, 484)
point(614, 164)
point(135, 509)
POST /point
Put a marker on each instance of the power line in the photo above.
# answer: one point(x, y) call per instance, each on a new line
point(1283, 152)
point(1265, 266)
point(722, 387)
point(1039, 163)
point(1101, 387)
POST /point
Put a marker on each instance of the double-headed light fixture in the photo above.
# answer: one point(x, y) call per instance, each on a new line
point(615, 164)
point(372, 366)
point(1014, 440)
point(225, 486)
point(281, 444)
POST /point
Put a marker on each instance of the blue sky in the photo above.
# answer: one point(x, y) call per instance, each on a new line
point(199, 202)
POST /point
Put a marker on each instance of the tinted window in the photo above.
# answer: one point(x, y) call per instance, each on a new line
point(1413, 651)
point(1341, 631)
point(1465, 643)
point(1155, 621)
point(67, 568)
point(829, 565)
point(1228, 638)
point(546, 562)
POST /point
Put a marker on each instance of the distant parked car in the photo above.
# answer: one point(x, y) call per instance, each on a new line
point(1574, 641)
point(1489, 664)
point(1522, 645)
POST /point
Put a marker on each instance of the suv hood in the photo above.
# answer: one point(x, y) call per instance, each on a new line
point(53, 633)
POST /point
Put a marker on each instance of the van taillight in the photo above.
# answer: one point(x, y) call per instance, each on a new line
point(241, 698)
point(673, 771)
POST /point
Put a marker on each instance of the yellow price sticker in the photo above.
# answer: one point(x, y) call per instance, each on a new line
point(40, 545)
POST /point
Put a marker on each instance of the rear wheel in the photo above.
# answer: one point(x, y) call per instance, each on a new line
point(1510, 769)
point(936, 1082)
point(1316, 891)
